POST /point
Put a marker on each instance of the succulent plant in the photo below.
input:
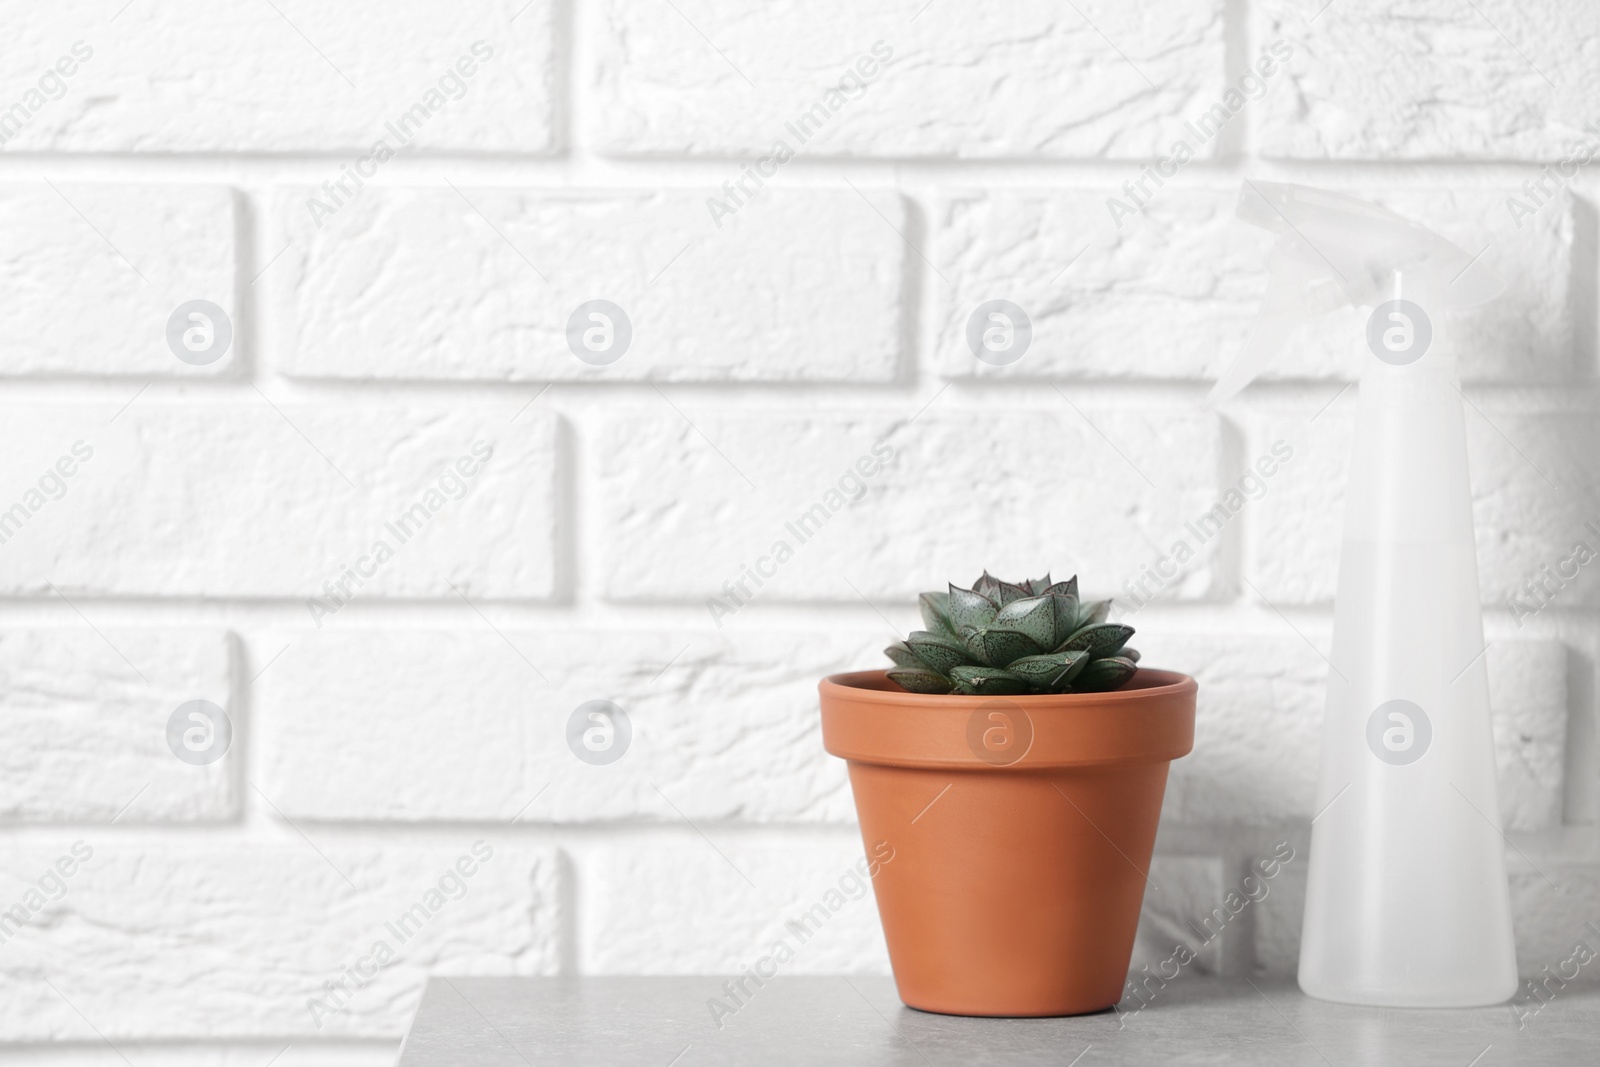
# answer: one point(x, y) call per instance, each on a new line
point(1005, 638)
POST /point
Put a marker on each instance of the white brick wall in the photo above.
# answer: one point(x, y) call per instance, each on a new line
point(257, 499)
point(1008, 78)
point(187, 76)
point(248, 936)
point(1369, 85)
point(400, 531)
point(93, 272)
point(1173, 293)
point(479, 284)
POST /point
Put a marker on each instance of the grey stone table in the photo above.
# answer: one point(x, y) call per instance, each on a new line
point(659, 1022)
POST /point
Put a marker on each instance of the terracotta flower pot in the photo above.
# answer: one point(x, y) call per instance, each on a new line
point(1021, 830)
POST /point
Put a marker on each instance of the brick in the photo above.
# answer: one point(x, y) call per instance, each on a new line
point(246, 498)
point(1369, 85)
point(724, 726)
point(85, 729)
point(1173, 292)
point(1528, 694)
point(938, 507)
point(1297, 529)
point(207, 939)
point(1181, 894)
point(172, 76)
point(1523, 464)
point(1555, 906)
point(1259, 721)
point(94, 273)
point(719, 914)
point(1007, 80)
point(1278, 919)
point(415, 283)
point(1169, 295)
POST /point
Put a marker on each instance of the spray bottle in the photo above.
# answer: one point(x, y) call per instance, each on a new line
point(1407, 901)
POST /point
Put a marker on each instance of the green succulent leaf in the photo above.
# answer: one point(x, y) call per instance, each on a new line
point(902, 655)
point(1105, 674)
point(1066, 588)
point(1065, 682)
point(920, 681)
point(1064, 617)
point(1048, 670)
point(1010, 592)
point(935, 609)
point(972, 641)
point(988, 681)
point(988, 587)
point(1000, 647)
point(1034, 616)
point(1008, 638)
point(969, 609)
point(1092, 612)
point(937, 652)
point(1100, 639)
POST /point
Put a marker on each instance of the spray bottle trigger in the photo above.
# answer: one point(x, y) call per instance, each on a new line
point(1300, 290)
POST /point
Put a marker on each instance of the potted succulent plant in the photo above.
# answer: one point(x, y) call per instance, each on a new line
point(1014, 758)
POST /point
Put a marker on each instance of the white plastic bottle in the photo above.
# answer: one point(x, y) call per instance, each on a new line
point(1407, 902)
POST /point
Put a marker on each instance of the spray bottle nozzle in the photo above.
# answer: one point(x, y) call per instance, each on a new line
point(1335, 250)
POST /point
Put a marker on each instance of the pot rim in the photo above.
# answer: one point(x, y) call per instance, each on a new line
point(1150, 720)
point(1165, 683)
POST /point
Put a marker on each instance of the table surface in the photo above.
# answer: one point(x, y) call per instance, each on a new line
point(669, 1022)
